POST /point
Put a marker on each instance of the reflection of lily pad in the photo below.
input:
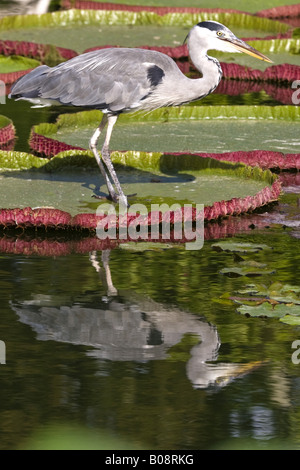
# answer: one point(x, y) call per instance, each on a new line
point(237, 247)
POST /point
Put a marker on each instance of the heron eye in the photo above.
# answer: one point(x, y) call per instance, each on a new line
point(220, 34)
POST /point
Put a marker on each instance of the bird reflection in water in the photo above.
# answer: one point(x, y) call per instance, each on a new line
point(131, 327)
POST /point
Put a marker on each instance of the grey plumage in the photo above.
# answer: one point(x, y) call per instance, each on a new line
point(118, 80)
point(114, 80)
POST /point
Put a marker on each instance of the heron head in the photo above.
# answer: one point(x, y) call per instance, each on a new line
point(218, 37)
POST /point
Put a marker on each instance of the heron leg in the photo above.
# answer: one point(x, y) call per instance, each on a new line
point(108, 163)
point(93, 147)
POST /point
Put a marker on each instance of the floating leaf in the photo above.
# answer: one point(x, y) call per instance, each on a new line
point(252, 264)
point(245, 271)
point(281, 293)
point(291, 320)
point(265, 309)
point(278, 301)
point(289, 288)
point(239, 247)
point(253, 289)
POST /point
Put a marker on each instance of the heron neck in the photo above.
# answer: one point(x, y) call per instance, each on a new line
point(209, 67)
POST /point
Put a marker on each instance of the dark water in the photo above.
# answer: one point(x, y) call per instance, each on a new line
point(151, 359)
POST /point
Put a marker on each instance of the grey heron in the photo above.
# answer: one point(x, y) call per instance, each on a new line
point(121, 80)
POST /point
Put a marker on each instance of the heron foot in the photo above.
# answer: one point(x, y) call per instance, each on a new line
point(115, 198)
point(96, 196)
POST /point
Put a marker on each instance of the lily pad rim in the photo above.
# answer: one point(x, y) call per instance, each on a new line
point(5, 121)
point(76, 16)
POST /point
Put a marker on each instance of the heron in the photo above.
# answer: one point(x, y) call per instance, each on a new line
point(121, 80)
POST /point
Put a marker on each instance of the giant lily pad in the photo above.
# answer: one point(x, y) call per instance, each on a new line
point(7, 132)
point(16, 63)
point(68, 181)
point(13, 67)
point(213, 129)
point(69, 28)
point(276, 10)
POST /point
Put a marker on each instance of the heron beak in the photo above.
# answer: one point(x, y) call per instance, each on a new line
point(242, 46)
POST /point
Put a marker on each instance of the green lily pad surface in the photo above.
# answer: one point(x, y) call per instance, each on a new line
point(238, 247)
point(267, 310)
point(15, 63)
point(267, 299)
point(253, 7)
point(4, 121)
point(244, 271)
point(212, 129)
point(276, 301)
point(83, 29)
point(194, 136)
point(69, 180)
point(281, 293)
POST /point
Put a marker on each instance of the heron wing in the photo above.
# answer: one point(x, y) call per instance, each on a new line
point(114, 79)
